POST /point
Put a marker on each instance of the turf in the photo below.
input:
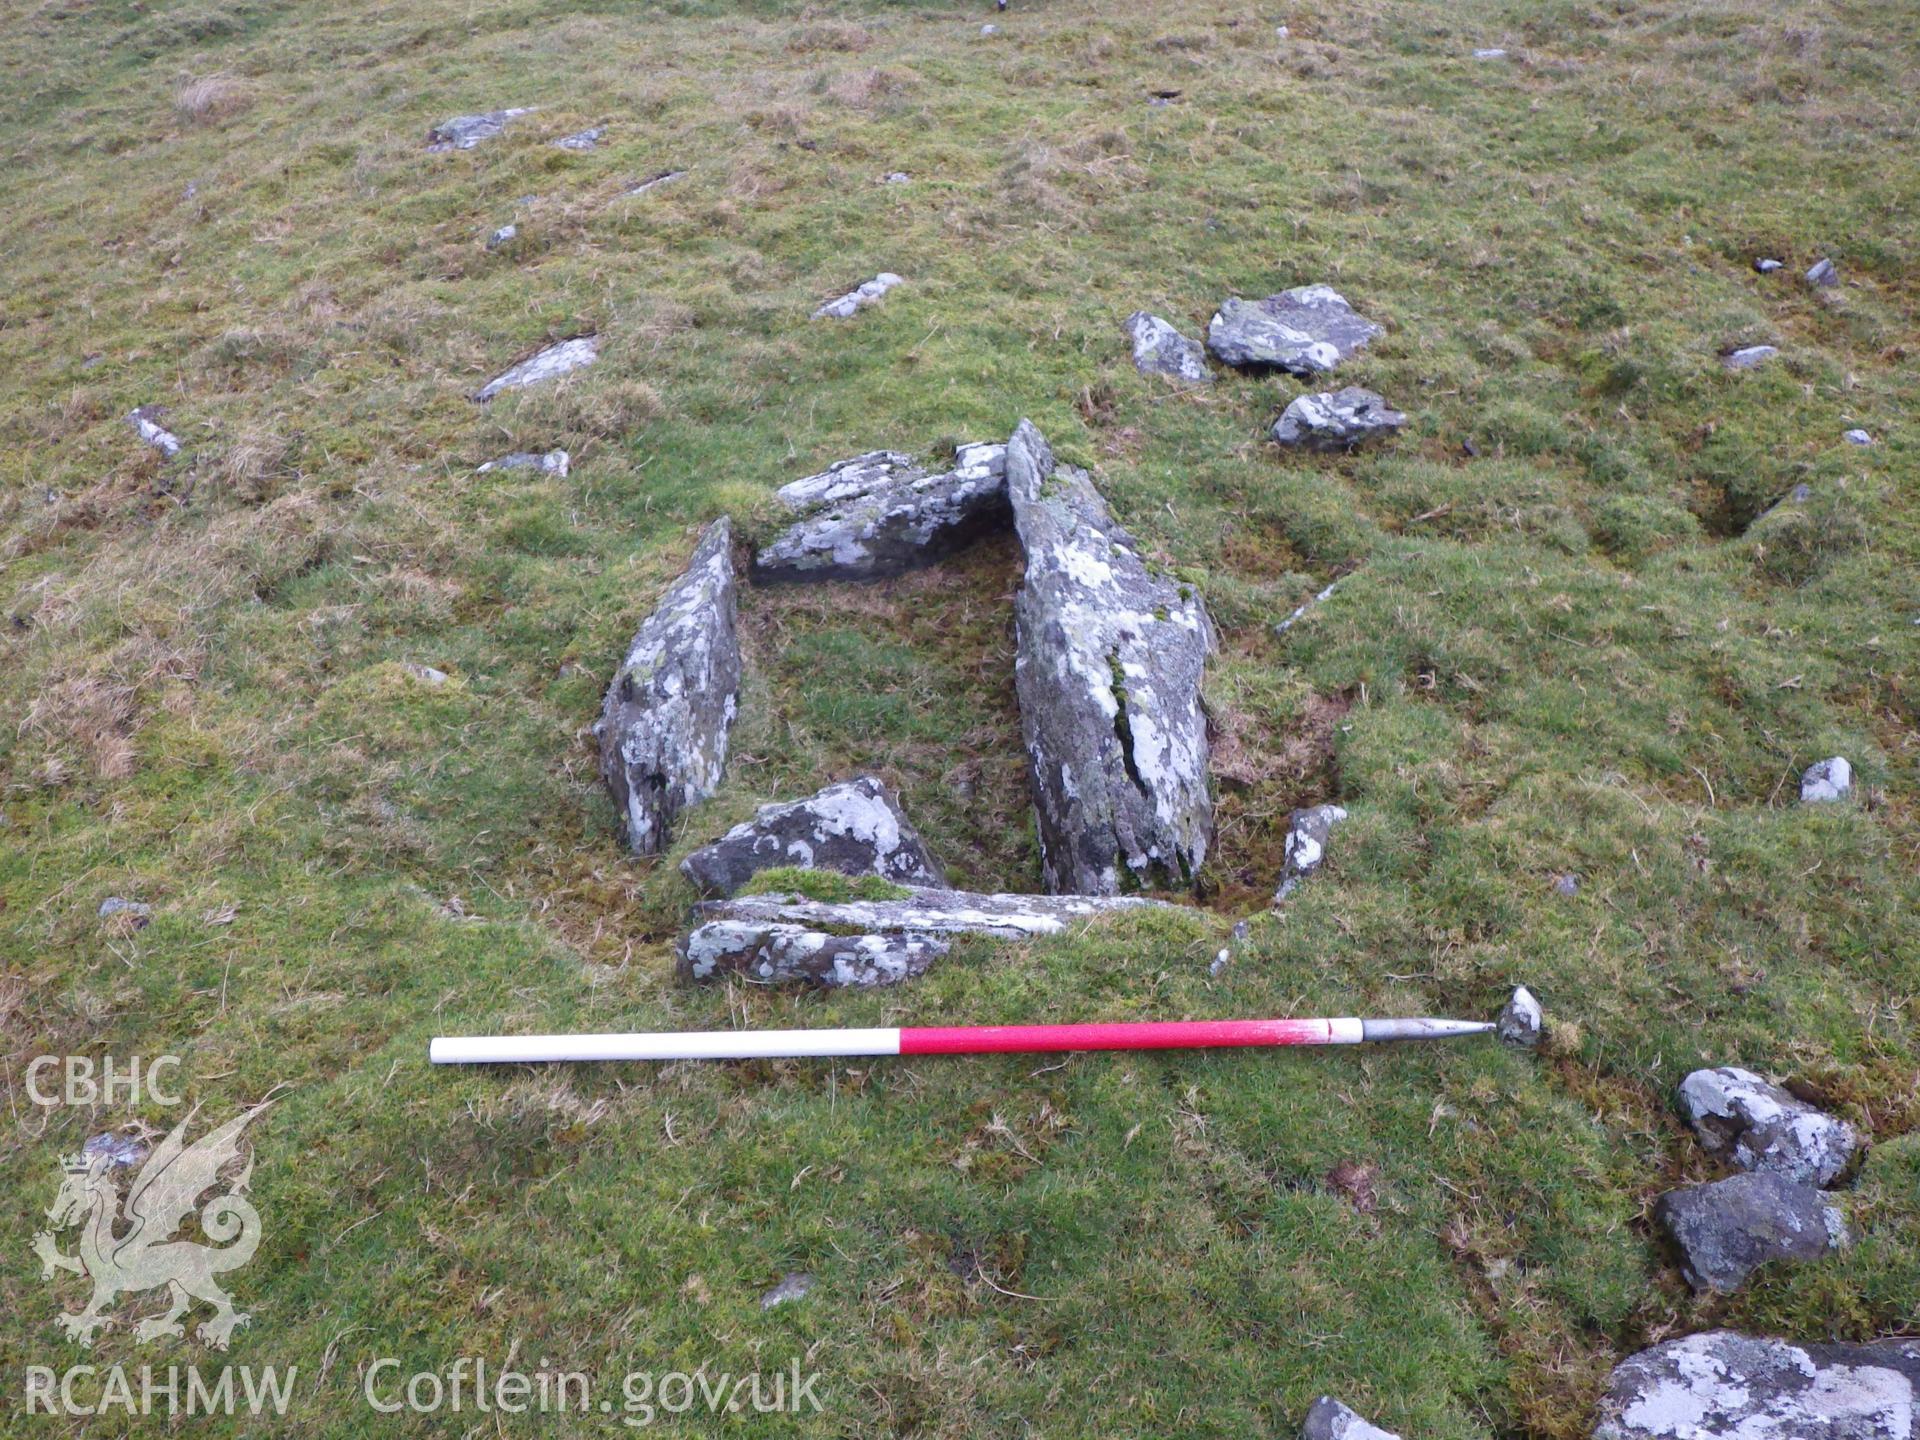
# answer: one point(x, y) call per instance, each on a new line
point(1575, 633)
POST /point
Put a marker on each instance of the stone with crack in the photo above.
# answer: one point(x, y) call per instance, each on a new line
point(146, 424)
point(1108, 666)
point(855, 827)
point(1328, 1419)
point(1827, 783)
point(1305, 848)
point(1336, 420)
point(664, 725)
point(546, 364)
point(1759, 1126)
point(884, 516)
point(1725, 1386)
point(1304, 331)
point(844, 307)
point(1727, 1229)
point(463, 132)
point(1159, 349)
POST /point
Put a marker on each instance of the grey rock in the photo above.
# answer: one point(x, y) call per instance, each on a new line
point(855, 827)
point(503, 236)
point(1759, 1126)
point(777, 953)
point(1857, 437)
point(1728, 1229)
point(859, 297)
point(989, 29)
point(548, 364)
point(463, 132)
point(1305, 848)
point(665, 177)
point(1724, 1386)
point(117, 905)
point(1749, 356)
point(1303, 331)
point(664, 725)
point(1159, 349)
point(1767, 267)
point(792, 1286)
point(1328, 1419)
point(1336, 420)
point(888, 516)
point(1281, 32)
point(425, 674)
point(897, 177)
point(1824, 274)
point(1108, 667)
point(1491, 52)
point(146, 424)
point(1566, 885)
point(121, 1151)
point(1522, 1022)
point(1827, 783)
point(582, 140)
point(550, 462)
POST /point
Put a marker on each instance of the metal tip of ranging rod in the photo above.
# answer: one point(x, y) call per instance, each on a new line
point(1422, 1029)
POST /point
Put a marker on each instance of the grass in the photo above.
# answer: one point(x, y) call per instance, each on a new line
point(1573, 635)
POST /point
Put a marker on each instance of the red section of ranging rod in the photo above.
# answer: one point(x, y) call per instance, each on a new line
point(1146, 1035)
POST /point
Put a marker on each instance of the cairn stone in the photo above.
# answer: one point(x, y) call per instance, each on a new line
point(1336, 420)
point(1729, 1228)
point(1159, 349)
point(1759, 1126)
point(1303, 331)
point(855, 827)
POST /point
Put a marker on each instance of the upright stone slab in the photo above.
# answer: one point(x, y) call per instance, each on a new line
point(856, 827)
point(1108, 669)
point(664, 725)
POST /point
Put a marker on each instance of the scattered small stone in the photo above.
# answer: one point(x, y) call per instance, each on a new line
point(1109, 657)
point(1762, 1127)
point(1305, 330)
point(463, 132)
point(1728, 1229)
point(503, 236)
point(1749, 356)
point(1767, 267)
point(120, 1151)
point(551, 462)
point(1328, 1419)
point(1827, 782)
point(1725, 1386)
point(1236, 938)
point(856, 828)
point(858, 298)
point(146, 424)
point(425, 674)
point(114, 905)
point(548, 364)
point(1857, 437)
point(663, 178)
point(1299, 611)
point(897, 177)
point(1522, 1022)
point(1159, 349)
point(1306, 845)
point(989, 29)
point(793, 1286)
point(1336, 420)
point(1281, 31)
point(1491, 52)
point(1824, 274)
point(582, 140)
point(1566, 885)
point(664, 725)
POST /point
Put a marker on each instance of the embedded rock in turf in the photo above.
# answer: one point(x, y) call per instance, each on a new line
point(855, 827)
point(1303, 331)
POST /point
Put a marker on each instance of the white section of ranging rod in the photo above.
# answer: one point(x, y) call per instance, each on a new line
point(693, 1045)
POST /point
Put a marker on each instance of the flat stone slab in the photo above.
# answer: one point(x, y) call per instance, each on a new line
point(1328, 1419)
point(858, 298)
point(1159, 349)
point(549, 462)
point(929, 911)
point(1759, 1126)
point(548, 364)
point(463, 132)
point(888, 517)
point(1728, 1229)
point(665, 177)
point(1827, 783)
point(664, 725)
point(1108, 668)
point(1305, 848)
point(146, 424)
point(1724, 1386)
point(777, 954)
point(1336, 420)
point(856, 828)
point(1304, 331)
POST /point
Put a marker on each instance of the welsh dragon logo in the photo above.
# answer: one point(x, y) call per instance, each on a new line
point(144, 1255)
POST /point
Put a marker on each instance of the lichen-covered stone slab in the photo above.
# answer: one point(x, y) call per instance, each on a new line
point(1328, 1419)
point(547, 462)
point(1159, 349)
point(928, 911)
point(1304, 331)
point(664, 725)
point(463, 132)
point(1728, 1229)
point(889, 517)
point(1305, 848)
point(1759, 1126)
point(1108, 668)
point(548, 364)
point(856, 827)
point(867, 293)
point(146, 424)
point(1336, 420)
point(1827, 783)
point(777, 953)
point(1724, 1386)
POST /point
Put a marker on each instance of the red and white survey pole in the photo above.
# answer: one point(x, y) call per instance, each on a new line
point(938, 1040)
